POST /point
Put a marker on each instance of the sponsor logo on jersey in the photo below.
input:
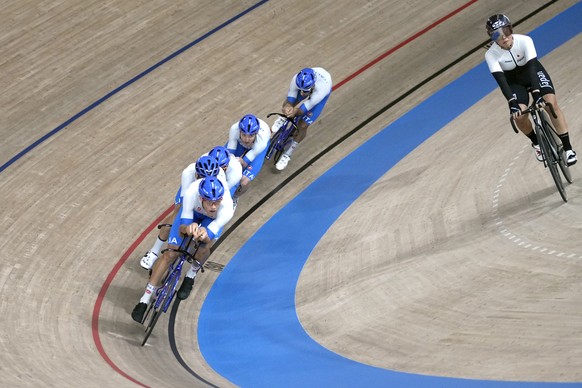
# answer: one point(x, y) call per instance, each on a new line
point(544, 81)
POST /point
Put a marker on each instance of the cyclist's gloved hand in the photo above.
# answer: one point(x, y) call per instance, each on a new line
point(514, 108)
point(537, 97)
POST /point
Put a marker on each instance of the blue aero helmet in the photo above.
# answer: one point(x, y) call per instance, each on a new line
point(305, 79)
point(207, 165)
point(497, 25)
point(221, 155)
point(211, 188)
point(249, 125)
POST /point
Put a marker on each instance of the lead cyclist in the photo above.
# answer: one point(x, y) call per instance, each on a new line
point(513, 62)
point(308, 93)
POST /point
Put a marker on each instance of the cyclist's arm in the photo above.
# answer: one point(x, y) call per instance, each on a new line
point(321, 90)
point(189, 203)
point(531, 69)
point(531, 56)
point(223, 216)
point(233, 173)
point(503, 84)
point(188, 176)
point(491, 58)
point(233, 137)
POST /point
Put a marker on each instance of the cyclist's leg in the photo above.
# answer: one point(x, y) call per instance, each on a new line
point(548, 91)
point(161, 265)
point(249, 173)
point(159, 269)
point(523, 122)
point(558, 122)
point(304, 122)
point(148, 260)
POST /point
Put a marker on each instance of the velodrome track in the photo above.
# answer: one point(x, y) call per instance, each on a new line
point(520, 305)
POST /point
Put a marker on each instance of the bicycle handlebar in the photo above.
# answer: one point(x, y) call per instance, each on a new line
point(290, 119)
point(183, 249)
point(530, 109)
point(279, 114)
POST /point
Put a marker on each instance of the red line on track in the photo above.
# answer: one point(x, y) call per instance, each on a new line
point(105, 287)
point(113, 273)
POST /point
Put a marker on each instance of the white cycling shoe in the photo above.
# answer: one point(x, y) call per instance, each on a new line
point(277, 124)
point(538, 152)
point(571, 157)
point(148, 260)
point(283, 162)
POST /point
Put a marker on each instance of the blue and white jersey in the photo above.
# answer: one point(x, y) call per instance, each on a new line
point(321, 89)
point(192, 209)
point(260, 144)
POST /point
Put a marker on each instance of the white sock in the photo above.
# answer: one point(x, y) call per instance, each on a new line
point(150, 290)
point(158, 246)
point(192, 271)
point(291, 148)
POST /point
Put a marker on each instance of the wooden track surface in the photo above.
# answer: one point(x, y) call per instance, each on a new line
point(439, 289)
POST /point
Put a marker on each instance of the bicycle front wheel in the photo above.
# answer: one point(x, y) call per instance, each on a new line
point(557, 144)
point(276, 147)
point(551, 157)
point(155, 315)
point(160, 305)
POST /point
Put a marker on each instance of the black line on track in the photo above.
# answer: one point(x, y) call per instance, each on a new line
point(174, 347)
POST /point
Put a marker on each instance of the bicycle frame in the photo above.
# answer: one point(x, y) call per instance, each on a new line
point(281, 139)
point(550, 145)
point(165, 294)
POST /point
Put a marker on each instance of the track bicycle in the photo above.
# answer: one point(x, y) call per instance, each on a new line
point(281, 139)
point(165, 294)
point(550, 144)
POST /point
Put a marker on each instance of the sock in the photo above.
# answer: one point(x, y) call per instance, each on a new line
point(533, 138)
point(158, 246)
point(150, 289)
point(291, 148)
point(192, 271)
point(566, 141)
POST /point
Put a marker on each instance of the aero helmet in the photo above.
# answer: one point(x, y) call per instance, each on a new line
point(497, 24)
point(211, 188)
point(207, 165)
point(249, 125)
point(221, 155)
point(305, 79)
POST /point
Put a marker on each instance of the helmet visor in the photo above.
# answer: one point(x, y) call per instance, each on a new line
point(500, 33)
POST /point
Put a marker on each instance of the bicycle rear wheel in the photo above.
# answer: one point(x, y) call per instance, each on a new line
point(561, 154)
point(550, 151)
point(154, 319)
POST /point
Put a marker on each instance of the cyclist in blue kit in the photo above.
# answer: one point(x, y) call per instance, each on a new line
point(308, 93)
point(206, 209)
point(513, 62)
point(248, 140)
point(206, 165)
